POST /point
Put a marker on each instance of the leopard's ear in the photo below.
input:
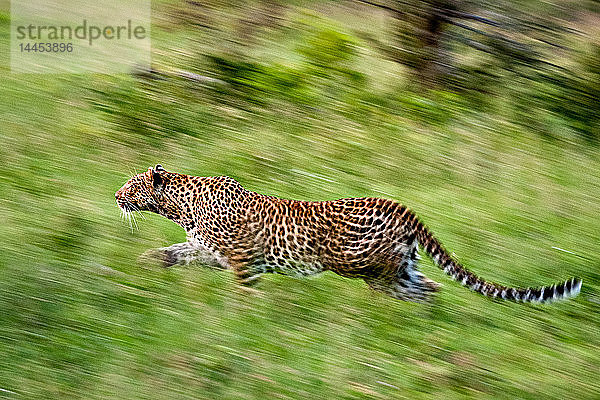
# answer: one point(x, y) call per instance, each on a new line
point(159, 168)
point(157, 180)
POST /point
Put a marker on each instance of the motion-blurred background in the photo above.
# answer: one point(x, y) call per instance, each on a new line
point(482, 116)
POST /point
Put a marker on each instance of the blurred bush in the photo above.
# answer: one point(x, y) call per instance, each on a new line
point(575, 95)
point(152, 106)
point(326, 65)
point(328, 49)
point(258, 83)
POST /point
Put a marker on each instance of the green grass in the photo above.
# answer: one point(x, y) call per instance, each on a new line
point(81, 318)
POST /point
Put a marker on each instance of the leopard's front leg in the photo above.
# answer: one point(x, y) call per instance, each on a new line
point(185, 253)
point(244, 258)
point(245, 268)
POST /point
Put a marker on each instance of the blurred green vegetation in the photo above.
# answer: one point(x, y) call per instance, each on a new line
point(504, 168)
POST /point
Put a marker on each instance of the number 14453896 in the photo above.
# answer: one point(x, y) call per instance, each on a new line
point(46, 47)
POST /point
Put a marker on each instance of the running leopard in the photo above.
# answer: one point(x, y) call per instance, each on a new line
point(373, 239)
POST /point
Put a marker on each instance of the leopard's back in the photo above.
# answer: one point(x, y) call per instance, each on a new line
point(354, 237)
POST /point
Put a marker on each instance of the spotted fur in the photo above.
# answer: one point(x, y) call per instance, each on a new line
point(369, 238)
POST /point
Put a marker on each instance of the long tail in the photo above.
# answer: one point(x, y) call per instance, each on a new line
point(442, 259)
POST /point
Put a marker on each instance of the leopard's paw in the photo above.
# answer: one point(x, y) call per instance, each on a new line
point(160, 257)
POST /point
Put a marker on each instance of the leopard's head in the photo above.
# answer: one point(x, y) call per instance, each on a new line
point(142, 192)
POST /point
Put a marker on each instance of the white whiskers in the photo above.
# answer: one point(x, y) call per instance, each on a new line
point(128, 212)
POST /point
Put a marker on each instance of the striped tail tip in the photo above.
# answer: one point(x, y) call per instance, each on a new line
point(562, 291)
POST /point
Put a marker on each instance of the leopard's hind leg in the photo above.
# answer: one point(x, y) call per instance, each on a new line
point(409, 271)
point(407, 283)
